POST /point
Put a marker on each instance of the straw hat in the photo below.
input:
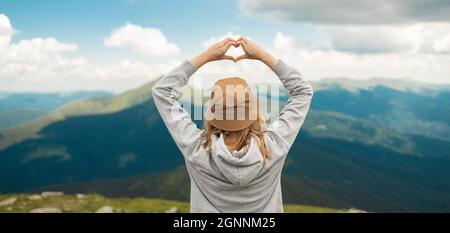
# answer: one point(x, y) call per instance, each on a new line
point(233, 106)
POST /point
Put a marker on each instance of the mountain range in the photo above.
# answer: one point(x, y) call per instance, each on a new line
point(379, 145)
point(20, 108)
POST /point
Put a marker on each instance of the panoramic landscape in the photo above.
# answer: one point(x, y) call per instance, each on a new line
point(356, 150)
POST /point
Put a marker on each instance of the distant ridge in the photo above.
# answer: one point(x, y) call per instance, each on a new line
point(94, 106)
point(355, 85)
point(396, 84)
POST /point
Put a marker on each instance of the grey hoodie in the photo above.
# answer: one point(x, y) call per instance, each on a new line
point(239, 181)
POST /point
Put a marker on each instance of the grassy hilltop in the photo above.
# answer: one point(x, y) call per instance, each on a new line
point(81, 203)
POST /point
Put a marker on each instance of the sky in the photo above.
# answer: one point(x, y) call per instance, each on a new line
point(115, 45)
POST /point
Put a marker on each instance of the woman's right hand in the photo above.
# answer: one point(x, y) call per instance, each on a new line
point(253, 51)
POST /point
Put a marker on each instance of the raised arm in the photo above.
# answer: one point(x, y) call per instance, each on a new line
point(294, 113)
point(292, 116)
point(182, 129)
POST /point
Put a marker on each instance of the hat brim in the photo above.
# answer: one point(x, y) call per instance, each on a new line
point(227, 125)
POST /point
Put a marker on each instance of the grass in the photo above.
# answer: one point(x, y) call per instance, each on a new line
point(289, 208)
point(91, 202)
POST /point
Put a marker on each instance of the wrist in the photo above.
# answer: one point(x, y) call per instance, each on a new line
point(268, 59)
point(200, 60)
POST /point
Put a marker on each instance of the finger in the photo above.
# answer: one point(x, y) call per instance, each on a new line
point(244, 39)
point(226, 57)
point(229, 44)
point(242, 43)
point(242, 57)
point(226, 40)
point(233, 42)
point(236, 43)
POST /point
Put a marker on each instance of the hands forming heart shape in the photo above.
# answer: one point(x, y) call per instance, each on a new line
point(220, 51)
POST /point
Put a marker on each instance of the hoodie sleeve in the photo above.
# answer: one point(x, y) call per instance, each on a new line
point(292, 116)
point(178, 121)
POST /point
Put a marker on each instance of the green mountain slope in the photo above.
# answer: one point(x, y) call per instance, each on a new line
point(20, 116)
point(44, 101)
point(319, 172)
point(95, 106)
point(426, 114)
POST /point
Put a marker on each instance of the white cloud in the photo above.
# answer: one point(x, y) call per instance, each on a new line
point(375, 39)
point(37, 59)
point(365, 26)
point(442, 45)
point(317, 64)
point(41, 64)
point(414, 38)
point(286, 43)
point(6, 31)
point(436, 38)
point(37, 49)
point(349, 11)
point(141, 40)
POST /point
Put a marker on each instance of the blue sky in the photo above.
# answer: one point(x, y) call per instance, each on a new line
point(87, 22)
point(61, 45)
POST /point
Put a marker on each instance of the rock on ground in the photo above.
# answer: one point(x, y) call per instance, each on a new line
point(46, 210)
point(8, 201)
point(105, 209)
point(356, 211)
point(34, 197)
point(172, 210)
point(51, 194)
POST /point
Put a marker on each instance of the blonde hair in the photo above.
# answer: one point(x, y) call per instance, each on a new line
point(256, 130)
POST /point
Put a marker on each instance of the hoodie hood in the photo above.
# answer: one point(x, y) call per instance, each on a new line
point(239, 167)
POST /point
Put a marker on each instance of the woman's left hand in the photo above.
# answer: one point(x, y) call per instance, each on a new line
point(215, 52)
